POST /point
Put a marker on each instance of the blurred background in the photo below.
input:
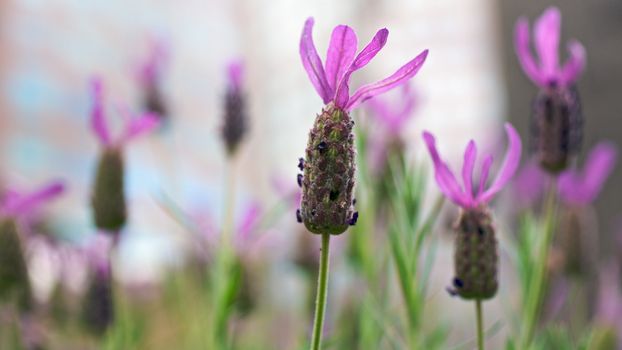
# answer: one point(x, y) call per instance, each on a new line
point(470, 84)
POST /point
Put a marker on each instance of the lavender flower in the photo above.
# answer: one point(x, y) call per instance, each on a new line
point(235, 123)
point(476, 255)
point(150, 74)
point(329, 163)
point(557, 121)
point(108, 195)
point(528, 185)
point(582, 188)
point(609, 301)
point(98, 305)
point(15, 207)
point(391, 120)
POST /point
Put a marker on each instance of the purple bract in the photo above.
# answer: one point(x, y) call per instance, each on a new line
point(546, 35)
point(465, 196)
point(331, 80)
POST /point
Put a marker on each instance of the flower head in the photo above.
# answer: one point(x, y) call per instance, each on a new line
point(331, 80)
point(529, 184)
point(546, 36)
point(235, 122)
point(393, 118)
point(16, 204)
point(465, 196)
point(583, 187)
point(134, 126)
point(150, 70)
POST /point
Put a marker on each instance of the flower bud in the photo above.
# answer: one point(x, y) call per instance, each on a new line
point(108, 196)
point(556, 126)
point(154, 102)
point(14, 282)
point(328, 181)
point(98, 306)
point(235, 124)
point(475, 257)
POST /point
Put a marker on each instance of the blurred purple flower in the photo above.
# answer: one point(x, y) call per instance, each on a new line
point(546, 35)
point(582, 188)
point(393, 116)
point(331, 80)
point(246, 224)
point(391, 121)
point(235, 75)
point(465, 197)
point(609, 302)
point(134, 126)
point(529, 184)
point(97, 252)
point(16, 204)
point(150, 70)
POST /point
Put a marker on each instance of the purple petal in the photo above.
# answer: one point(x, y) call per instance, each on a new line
point(483, 176)
point(509, 166)
point(313, 64)
point(574, 65)
point(443, 175)
point(584, 188)
point(151, 68)
point(248, 222)
point(340, 54)
point(529, 183)
point(235, 73)
point(21, 204)
point(137, 126)
point(525, 58)
point(342, 95)
point(609, 300)
point(401, 76)
point(547, 29)
point(467, 169)
point(98, 121)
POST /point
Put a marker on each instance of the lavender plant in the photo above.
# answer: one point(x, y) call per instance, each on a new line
point(557, 123)
point(108, 201)
point(476, 256)
point(328, 181)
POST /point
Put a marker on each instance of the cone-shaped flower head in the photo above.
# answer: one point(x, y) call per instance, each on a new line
point(546, 36)
point(582, 188)
point(328, 181)
point(476, 257)
point(150, 72)
point(14, 206)
point(235, 122)
point(108, 194)
point(557, 122)
point(98, 305)
point(390, 119)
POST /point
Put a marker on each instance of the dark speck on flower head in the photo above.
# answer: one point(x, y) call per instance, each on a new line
point(299, 180)
point(354, 218)
point(301, 163)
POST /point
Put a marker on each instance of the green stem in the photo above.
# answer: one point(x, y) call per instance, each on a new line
point(221, 279)
point(535, 300)
point(320, 301)
point(480, 324)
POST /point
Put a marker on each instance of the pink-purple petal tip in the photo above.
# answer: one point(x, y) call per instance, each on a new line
point(312, 62)
point(401, 76)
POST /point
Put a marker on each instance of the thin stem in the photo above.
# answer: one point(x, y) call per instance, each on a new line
point(534, 301)
point(221, 279)
point(480, 324)
point(320, 301)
